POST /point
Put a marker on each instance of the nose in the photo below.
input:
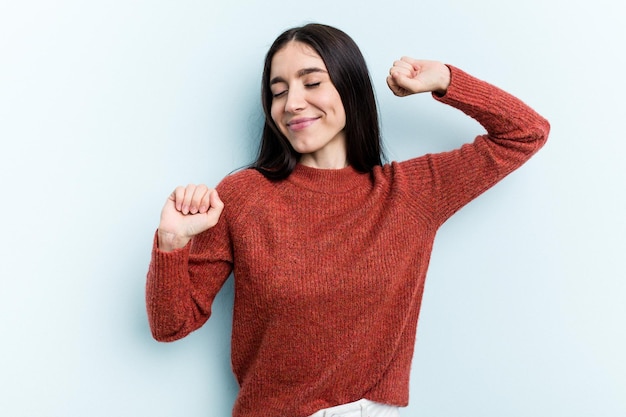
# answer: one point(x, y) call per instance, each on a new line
point(296, 100)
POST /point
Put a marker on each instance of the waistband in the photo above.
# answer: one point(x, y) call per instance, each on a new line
point(360, 408)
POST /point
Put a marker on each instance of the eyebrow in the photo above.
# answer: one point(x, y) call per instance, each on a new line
point(300, 73)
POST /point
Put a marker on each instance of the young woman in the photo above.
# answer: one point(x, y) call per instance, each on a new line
point(329, 246)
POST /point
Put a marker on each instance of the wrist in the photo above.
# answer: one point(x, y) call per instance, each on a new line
point(167, 241)
point(444, 81)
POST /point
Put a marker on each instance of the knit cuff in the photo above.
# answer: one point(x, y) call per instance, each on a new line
point(168, 261)
point(464, 88)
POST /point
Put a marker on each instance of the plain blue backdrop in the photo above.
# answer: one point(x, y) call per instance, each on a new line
point(106, 106)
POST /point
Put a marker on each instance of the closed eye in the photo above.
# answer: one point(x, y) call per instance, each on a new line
point(307, 85)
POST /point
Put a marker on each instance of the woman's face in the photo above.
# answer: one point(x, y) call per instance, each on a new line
point(306, 106)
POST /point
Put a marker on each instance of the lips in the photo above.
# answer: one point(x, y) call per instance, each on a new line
point(301, 123)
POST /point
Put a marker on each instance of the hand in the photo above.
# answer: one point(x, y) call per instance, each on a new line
point(411, 76)
point(187, 212)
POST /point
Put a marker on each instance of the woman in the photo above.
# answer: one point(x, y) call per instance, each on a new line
point(328, 246)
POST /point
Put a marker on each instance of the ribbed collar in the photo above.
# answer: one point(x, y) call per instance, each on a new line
point(331, 181)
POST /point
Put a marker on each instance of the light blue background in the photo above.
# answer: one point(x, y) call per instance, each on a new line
point(106, 106)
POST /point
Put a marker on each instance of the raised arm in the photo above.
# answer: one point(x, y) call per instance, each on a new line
point(515, 132)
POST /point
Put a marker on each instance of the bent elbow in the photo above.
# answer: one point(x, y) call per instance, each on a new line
point(162, 333)
point(538, 134)
point(165, 327)
point(168, 327)
point(544, 131)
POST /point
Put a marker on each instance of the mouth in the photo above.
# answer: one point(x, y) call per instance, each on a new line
point(301, 123)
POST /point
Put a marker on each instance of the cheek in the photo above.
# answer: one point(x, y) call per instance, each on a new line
point(333, 98)
point(276, 115)
point(340, 111)
point(341, 115)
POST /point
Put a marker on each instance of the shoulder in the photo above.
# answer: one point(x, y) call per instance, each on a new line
point(242, 177)
point(404, 177)
point(244, 188)
point(395, 170)
point(238, 185)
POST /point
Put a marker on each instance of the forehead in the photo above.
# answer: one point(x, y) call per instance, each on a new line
point(294, 57)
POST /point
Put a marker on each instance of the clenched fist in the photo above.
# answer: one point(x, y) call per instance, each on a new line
point(187, 212)
point(411, 76)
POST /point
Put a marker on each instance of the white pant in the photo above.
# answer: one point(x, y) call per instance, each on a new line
point(360, 408)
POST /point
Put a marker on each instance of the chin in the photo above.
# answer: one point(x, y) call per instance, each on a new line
point(302, 148)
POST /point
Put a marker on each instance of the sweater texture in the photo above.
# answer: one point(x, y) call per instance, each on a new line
point(329, 265)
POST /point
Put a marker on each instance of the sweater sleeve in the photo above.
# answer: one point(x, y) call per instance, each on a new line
point(181, 285)
point(515, 132)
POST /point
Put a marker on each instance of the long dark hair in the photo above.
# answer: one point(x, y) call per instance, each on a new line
point(348, 72)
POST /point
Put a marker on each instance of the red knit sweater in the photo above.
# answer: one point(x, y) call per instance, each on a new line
point(329, 265)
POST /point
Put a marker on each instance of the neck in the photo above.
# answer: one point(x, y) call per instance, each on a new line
point(327, 181)
point(335, 160)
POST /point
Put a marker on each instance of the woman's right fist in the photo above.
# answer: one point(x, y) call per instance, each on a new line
point(187, 212)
